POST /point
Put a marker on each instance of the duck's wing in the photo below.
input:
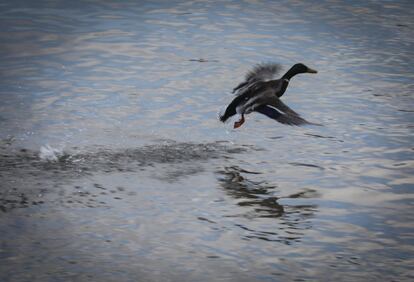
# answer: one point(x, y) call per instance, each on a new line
point(249, 98)
point(280, 117)
point(279, 111)
point(278, 104)
point(261, 72)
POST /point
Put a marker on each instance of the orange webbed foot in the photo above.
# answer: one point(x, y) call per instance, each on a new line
point(239, 123)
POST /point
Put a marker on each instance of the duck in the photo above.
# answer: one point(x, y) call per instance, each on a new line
point(261, 91)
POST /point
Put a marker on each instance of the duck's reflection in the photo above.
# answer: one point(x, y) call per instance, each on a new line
point(259, 200)
point(250, 193)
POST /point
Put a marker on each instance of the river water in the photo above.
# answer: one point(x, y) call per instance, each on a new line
point(114, 166)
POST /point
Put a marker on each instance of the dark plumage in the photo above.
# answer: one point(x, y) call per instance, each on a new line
point(260, 92)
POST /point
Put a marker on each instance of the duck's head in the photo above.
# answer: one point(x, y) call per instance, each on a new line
point(297, 69)
point(301, 68)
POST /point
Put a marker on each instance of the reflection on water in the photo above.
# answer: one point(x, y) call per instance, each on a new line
point(260, 201)
point(250, 193)
point(113, 164)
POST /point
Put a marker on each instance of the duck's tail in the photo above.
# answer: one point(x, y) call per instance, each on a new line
point(229, 112)
point(224, 117)
point(231, 108)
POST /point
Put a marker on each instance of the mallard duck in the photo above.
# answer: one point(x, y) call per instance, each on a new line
point(260, 92)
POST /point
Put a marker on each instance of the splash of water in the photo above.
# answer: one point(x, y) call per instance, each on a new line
point(49, 153)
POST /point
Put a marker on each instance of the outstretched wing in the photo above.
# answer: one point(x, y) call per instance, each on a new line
point(261, 72)
point(279, 111)
point(278, 104)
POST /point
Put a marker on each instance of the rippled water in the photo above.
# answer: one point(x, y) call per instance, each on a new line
point(114, 166)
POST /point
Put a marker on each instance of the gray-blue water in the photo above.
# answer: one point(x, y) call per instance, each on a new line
point(114, 166)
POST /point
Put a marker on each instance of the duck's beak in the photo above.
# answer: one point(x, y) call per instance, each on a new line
point(312, 70)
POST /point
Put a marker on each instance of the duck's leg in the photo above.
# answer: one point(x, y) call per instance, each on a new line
point(239, 123)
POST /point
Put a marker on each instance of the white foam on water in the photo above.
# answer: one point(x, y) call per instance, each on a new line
point(49, 153)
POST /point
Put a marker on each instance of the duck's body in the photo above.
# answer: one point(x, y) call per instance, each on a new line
point(261, 92)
